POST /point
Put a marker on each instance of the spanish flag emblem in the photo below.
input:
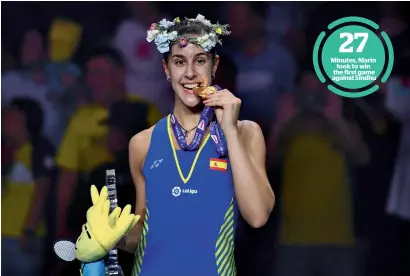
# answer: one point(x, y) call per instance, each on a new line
point(218, 164)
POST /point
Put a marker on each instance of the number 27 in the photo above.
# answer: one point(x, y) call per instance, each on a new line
point(350, 37)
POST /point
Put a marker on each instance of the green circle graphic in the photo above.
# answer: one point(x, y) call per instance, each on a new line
point(353, 57)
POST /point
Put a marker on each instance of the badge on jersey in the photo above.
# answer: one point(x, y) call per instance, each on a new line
point(218, 164)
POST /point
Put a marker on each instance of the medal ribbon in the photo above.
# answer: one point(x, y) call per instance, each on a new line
point(207, 116)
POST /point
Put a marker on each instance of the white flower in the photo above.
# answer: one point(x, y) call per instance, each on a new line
point(208, 45)
point(202, 19)
point(213, 38)
point(203, 38)
point(151, 35)
point(173, 35)
point(166, 24)
point(159, 34)
point(207, 42)
point(162, 42)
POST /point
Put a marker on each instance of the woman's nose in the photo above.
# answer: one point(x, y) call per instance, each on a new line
point(190, 72)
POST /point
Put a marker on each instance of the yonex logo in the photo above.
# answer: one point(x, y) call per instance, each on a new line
point(177, 191)
point(156, 164)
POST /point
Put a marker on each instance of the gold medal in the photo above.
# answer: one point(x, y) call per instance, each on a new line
point(202, 92)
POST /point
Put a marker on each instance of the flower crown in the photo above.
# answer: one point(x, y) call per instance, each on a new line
point(163, 37)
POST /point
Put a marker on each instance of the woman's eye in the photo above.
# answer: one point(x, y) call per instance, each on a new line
point(200, 61)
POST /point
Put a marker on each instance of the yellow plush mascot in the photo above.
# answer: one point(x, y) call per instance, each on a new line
point(102, 232)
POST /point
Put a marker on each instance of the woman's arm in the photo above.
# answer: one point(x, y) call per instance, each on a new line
point(247, 155)
point(138, 148)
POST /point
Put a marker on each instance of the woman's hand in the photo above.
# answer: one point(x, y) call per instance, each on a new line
point(227, 108)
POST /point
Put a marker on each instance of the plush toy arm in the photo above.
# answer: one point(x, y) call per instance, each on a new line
point(96, 268)
point(103, 230)
point(88, 249)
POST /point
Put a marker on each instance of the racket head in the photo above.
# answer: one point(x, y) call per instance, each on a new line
point(65, 250)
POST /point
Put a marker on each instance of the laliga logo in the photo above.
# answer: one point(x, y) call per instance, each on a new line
point(177, 191)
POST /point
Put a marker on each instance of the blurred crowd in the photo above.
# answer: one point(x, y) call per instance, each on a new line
point(79, 80)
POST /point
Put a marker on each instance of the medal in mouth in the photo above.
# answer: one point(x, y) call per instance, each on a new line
point(202, 92)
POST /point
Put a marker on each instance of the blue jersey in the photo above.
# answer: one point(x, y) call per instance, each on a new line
point(190, 218)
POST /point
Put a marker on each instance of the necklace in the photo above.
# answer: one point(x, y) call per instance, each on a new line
point(186, 132)
point(216, 133)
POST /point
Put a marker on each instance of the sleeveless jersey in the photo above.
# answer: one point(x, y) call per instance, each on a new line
point(191, 210)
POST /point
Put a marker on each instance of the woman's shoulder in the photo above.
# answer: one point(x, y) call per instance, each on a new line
point(143, 138)
point(140, 142)
point(139, 146)
point(248, 129)
point(246, 126)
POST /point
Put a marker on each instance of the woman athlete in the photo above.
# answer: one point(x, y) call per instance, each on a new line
point(196, 168)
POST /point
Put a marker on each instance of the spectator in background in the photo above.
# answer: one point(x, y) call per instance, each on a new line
point(46, 80)
point(284, 24)
point(315, 144)
point(121, 129)
point(388, 174)
point(143, 61)
point(27, 191)
point(61, 74)
point(398, 201)
point(83, 147)
point(32, 51)
point(282, 17)
point(265, 68)
point(381, 132)
point(23, 82)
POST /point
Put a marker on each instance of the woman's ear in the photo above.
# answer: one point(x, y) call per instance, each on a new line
point(165, 66)
point(215, 65)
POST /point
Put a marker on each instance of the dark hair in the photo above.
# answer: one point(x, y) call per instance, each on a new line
point(187, 28)
point(33, 116)
point(107, 52)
